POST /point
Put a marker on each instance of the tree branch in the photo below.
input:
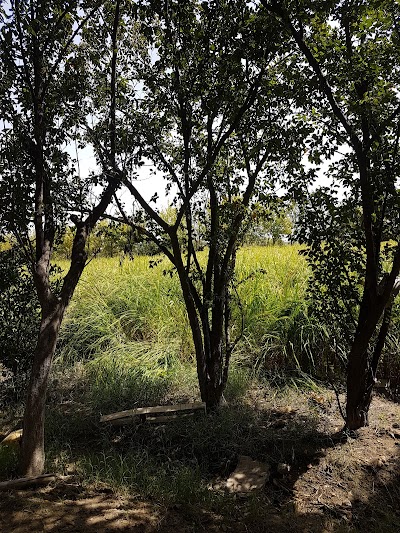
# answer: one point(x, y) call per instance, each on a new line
point(275, 6)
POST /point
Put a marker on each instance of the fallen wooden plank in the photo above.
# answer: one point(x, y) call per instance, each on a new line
point(153, 412)
point(167, 418)
point(13, 439)
point(26, 482)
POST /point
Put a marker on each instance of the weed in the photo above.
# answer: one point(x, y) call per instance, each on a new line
point(8, 461)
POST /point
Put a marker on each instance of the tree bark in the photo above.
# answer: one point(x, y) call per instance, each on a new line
point(358, 395)
point(361, 373)
point(32, 449)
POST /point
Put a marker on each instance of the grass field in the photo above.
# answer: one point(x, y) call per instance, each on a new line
point(137, 311)
point(128, 325)
point(126, 343)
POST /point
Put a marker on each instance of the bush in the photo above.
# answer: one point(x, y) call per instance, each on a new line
point(19, 319)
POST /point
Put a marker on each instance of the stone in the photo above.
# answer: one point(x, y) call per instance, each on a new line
point(249, 476)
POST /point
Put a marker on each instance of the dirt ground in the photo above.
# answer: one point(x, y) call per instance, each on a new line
point(339, 487)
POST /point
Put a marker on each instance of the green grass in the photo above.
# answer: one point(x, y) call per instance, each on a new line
point(136, 312)
point(127, 326)
point(130, 308)
point(8, 461)
point(279, 333)
point(126, 342)
point(176, 462)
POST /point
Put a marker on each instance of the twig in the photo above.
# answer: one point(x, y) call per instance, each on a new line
point(337, 399)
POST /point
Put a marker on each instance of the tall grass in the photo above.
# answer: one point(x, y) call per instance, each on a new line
point(136, 312)
point(128, 323)
point(130, 308)
point(279, 333)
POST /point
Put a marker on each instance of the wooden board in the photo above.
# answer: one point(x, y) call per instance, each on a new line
point(13, 439)
point(150, 419)
point(25, 482)
point(155, 414)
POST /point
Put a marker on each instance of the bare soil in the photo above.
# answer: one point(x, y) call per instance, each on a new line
point(333, 487)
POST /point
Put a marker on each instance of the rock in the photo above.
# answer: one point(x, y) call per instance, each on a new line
point(70, 469)
point(396, 426)
point(250, 475)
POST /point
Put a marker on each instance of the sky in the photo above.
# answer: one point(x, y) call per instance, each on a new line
point(147, 183)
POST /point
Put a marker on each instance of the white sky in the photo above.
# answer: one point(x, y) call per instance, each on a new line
point(148, 182)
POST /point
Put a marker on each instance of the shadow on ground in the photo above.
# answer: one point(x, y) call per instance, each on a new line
point(170, 478)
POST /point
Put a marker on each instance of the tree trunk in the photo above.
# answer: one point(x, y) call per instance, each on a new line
point(362, 367)
point(358, 394)
point(215, 361)
point(358, 397)
point(214, 397)
point(209, 359)
point(32, 449)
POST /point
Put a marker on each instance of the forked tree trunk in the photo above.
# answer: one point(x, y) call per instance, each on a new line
point(362, 367)
point(209, 359)
point(199, 326)
point(208, 345)
point(32, 449)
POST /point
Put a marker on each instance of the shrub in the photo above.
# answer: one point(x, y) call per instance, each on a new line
point(19, 319)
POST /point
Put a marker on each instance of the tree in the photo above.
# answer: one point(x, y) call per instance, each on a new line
point(211, 115)
point(42, 102)
point(350, 54)
point(271, 223)
point(108, 240)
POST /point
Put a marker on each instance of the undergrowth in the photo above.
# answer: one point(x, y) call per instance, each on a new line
point(176, 462)
point(131, 311)
point(126, 343)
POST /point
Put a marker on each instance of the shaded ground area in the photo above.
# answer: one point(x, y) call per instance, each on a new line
point(326, 485)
